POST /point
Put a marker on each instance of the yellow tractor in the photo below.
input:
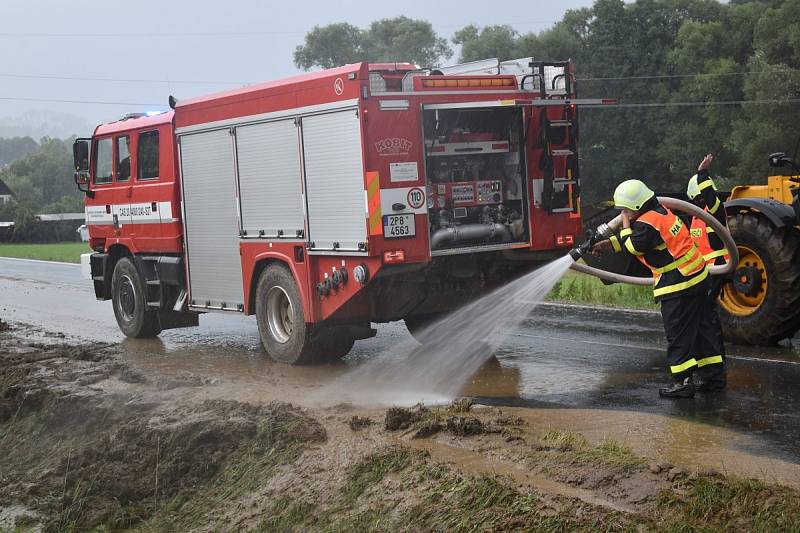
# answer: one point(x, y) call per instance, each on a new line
point(761, 304)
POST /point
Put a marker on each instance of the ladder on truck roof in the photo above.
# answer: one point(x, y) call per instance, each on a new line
point(555, 86)
point(559, 136)
point(553, 79)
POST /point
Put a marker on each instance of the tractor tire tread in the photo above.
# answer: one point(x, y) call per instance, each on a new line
point(778, 317)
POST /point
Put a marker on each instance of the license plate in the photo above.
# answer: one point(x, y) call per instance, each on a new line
point(398, 226)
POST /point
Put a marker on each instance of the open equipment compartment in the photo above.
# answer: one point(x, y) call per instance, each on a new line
point(475, 166)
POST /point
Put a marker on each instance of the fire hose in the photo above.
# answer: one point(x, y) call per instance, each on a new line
point(604, 231)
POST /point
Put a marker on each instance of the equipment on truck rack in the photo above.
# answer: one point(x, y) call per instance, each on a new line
point(327, 201)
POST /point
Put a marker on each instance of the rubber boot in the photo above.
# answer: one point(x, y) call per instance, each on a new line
point(679, 389)
point(710, 385)
point(710, 378)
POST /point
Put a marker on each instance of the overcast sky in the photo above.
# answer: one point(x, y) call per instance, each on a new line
point(179, 47)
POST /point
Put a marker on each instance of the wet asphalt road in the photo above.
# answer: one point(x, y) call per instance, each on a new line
point(560, 357)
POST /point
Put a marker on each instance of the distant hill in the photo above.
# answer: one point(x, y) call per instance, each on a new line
point(15, 148)
point(40, 123)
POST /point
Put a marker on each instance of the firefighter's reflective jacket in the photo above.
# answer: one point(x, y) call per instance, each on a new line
point(661, 241)
point(708, 242)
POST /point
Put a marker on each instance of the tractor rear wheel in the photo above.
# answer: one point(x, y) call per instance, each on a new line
point(761, 305)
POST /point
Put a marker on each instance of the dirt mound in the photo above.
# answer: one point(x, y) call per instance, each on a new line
point(34, 374)
point(357, 423)
point(465, 425)
point(460, 405)
point(402, 418)
point(125, 473)
point(428, 422)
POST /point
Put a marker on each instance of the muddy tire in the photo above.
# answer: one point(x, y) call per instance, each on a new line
point(286, 336)
point(416, 324)
point(331, 344)
point(762, 305)
point(128, 300)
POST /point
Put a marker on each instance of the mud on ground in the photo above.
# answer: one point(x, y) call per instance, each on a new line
point(89, 441)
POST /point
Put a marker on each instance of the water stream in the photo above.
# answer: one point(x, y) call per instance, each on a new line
point(450, 351)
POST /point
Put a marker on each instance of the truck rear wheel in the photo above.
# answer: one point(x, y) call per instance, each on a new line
point(281, 322)
point(762, 303)
point(416, 324)
point(331, 344)
point(128, 299)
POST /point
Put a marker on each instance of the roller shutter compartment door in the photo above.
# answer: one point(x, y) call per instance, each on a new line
point(212, 220)
point(270, 180)
point(334, 175)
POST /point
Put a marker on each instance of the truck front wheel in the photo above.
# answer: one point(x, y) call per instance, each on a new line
point(128, 298)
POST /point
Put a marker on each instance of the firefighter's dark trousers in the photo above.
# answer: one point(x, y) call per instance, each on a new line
point(694, 337)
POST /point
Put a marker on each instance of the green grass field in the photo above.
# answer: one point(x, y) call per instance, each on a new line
point(67, 252)
point(579, 288)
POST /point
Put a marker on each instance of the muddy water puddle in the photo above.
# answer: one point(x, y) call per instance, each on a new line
point(539, 368)
point(476, 463)
point(242, 371)
point(678, 441)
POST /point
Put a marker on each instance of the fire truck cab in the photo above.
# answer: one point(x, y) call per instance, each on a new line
point(332, 200)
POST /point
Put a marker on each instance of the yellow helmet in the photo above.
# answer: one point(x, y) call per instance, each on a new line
point(632, 194)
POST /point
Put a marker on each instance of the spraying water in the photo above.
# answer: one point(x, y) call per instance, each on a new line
point(450, 350)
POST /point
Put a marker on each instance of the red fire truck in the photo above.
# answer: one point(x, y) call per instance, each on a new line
point(328, 201)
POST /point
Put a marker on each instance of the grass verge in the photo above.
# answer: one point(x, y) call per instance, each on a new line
point(573, 447)
point(727, 503)
point(576, 287)
point(67, 252)
point(373, 469)
point(488, 502)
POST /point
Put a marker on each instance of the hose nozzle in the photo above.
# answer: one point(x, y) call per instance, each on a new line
point(584, 247)
point(603, 231)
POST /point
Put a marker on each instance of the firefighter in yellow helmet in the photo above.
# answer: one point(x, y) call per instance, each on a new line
point(661, 241)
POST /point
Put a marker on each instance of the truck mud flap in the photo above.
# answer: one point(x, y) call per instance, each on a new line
point(174, 319)
point(100, 278)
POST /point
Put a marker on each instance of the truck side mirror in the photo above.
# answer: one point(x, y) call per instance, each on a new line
point(80, 158)
point(80, 155)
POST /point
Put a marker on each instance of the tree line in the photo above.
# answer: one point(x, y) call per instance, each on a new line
point(691, 77)
point(40, 176)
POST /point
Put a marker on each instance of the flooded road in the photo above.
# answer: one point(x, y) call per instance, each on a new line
point(572, 362)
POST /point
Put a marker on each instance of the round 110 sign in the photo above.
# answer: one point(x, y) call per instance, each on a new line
point(416, 198)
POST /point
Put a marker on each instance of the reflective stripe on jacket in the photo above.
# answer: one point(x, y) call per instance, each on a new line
point(687, 267)
point(700, 235)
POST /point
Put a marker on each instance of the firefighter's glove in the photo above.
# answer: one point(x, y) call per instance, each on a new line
point(706, 162)
point(601, 247)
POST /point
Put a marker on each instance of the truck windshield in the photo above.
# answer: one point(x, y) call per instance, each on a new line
point(103, 164)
